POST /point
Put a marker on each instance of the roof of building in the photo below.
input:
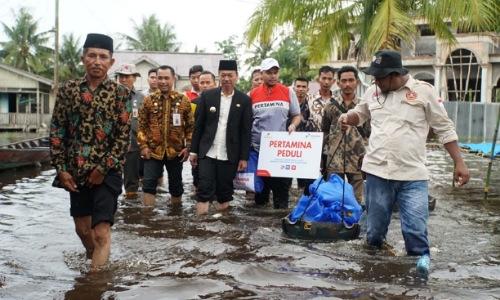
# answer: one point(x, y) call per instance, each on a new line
point(27, 74)
point(180, 61)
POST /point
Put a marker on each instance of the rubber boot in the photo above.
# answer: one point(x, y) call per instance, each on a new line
point(175, 201)
point(148, 199)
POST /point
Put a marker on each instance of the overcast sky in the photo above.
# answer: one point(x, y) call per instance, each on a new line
point(197, 22)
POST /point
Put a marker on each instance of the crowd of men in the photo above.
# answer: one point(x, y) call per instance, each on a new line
point(106, 136)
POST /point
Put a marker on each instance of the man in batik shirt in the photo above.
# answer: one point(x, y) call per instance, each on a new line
point(89, 138)
point(344, 152)
point(165, 130)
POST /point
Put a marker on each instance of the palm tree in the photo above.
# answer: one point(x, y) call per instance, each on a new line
point(152, 36)
point(259, 52)
point(69, 58)
point(26, 48)
point(379, 23)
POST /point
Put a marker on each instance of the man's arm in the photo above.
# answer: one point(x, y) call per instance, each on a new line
point(199, 122)
point(246, 129)
point(142, 128)
point(296, 116)
point(188, 128)
point(326, 122)
point(461, 172)
point(59, 126)
point(296, 119)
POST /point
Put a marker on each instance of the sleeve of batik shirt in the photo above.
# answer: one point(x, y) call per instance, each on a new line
point(142, 126)
point(326, 119)
point(59, 128)
point(189, 121)
point(119, 138)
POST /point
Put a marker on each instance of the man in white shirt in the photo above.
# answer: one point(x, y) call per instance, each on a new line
point(221, 139)
point(401, 110)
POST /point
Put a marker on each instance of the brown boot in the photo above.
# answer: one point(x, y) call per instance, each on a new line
point(148, 199)
point(176, 201)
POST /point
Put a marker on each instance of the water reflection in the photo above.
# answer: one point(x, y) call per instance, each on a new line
point(167, 252)
point(91, 286)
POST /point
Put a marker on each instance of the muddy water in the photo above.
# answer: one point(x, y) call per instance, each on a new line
point(168, 253)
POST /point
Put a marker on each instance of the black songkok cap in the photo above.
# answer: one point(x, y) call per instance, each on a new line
point(97, 40)
point(228, 65)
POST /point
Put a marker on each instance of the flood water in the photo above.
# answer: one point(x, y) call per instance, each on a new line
point(168, 253)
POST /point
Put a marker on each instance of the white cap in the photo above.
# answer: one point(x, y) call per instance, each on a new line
point(268, 64)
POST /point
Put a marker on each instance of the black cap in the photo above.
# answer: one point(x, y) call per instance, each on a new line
point(97, 40)
point(228, 65)
point(385, 62)
point(195, 68)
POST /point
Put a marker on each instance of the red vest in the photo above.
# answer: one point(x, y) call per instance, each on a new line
point(192, 95)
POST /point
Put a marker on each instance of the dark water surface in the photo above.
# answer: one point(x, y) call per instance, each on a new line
point(168, 253)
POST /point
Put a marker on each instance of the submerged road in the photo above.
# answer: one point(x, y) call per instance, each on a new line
point(168, 253)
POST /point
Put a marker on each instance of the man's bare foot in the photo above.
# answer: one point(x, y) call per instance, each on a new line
point(223, 206)
point(202, 208)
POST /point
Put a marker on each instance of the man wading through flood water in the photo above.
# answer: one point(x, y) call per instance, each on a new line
point(89, 138)
point(401, 110)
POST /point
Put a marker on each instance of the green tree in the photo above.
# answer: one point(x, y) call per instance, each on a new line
point(69, 58)
point(379, 23)
point(293, 59)
point(151, 35)
point(258, 53)
point(230, 47)
point(26, 48)
point(244, 84)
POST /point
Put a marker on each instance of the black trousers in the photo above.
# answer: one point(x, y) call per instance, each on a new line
point(131, 171)
point(215, 178)
point(153, 169)
point(279, 186)
point(194, 172)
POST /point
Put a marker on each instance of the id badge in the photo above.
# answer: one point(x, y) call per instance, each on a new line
point(135, 112)
point(176, 119)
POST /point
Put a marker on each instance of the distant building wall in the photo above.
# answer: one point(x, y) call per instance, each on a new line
point(474, 122)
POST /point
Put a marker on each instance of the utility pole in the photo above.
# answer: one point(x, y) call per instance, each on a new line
point(56, 51)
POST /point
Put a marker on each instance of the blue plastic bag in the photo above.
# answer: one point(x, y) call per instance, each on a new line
point(325, 203)
point(247, 179)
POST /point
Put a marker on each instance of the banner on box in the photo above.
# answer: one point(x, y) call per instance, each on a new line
point(295, 155)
